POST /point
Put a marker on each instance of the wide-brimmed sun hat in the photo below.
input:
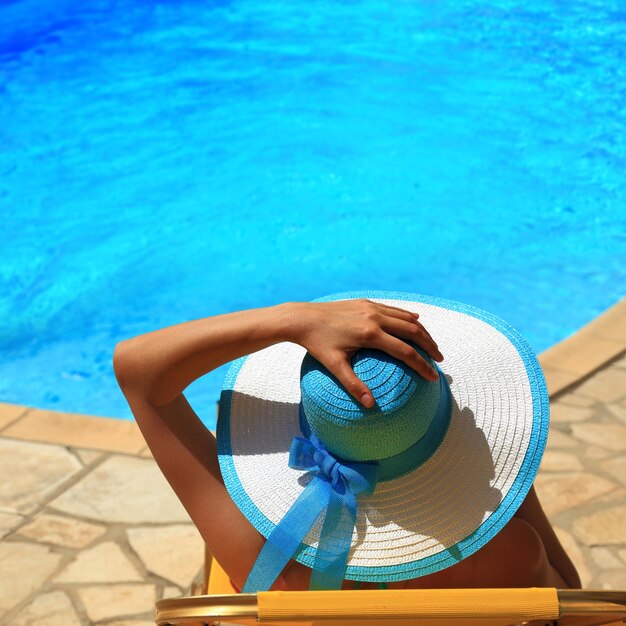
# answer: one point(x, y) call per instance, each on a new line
point(413, 485)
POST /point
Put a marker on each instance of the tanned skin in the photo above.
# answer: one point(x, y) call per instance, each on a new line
point(154, 369)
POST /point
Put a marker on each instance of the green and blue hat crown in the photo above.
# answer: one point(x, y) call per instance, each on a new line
point(404, 407)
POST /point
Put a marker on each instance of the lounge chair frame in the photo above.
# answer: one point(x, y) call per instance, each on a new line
point(419, 607)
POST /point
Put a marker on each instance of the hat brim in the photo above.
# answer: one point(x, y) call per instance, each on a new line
point(446, 509)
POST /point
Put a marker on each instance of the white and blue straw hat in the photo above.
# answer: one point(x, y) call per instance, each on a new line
point(409, 487)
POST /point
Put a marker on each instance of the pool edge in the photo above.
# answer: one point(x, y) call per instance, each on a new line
point(565, 364)
point(588, 350)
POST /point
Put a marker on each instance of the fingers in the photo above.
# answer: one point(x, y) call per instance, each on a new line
point(403, 314)
point(364, 323)
point(397, 312)
point(414, 332)
point(344, 373)
point(405, 353)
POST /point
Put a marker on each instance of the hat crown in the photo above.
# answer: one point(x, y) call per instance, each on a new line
point(404, 406)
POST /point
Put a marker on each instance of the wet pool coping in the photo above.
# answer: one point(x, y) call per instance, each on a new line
point(565, 364)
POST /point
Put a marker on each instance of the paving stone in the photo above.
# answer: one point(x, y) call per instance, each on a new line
point(604, 558)
point(80, 431)
point(602, 528)
point(616, 467)
point(62, 531)
point(175, 553)
point(621, 362)
point(611, 498)
point(87, 456)
point(609, 436)
point(618, 411)
point(566, 414)
point(622, 554)
point(613, 579)
point(573, 399)
point(596, 452)
point(123, 489)
point(557, 439)
point(9, 521)
point(561, 492)
point(24, 567)
point(574, 552)
point(36, 470)
point(104, 563)
point(557, 461)
point(608, 385)
point(146, 453)
point(109, 601)
point(172, 592)
point(48, 609)
point(10, 412)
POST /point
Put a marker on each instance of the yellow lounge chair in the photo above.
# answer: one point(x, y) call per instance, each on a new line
point(217, 602)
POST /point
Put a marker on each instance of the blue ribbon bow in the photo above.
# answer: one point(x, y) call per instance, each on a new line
point(332, 492)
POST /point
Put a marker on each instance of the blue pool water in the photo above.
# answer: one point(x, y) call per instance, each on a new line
point(164, 161)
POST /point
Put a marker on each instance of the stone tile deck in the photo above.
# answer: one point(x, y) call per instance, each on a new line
point(92, 534)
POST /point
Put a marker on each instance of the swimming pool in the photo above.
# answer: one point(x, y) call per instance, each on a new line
point(168, 161)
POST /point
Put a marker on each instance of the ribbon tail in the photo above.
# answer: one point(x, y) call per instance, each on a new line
point(287, 536)
point(331, 559)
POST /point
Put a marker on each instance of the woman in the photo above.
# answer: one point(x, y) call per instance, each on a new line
point(154, 369)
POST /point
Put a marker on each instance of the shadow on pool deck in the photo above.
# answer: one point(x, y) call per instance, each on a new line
point(86, 516)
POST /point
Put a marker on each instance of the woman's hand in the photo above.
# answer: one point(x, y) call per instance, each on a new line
point(333, 331)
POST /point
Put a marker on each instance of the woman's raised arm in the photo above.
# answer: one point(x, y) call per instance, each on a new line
point(161, 364)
